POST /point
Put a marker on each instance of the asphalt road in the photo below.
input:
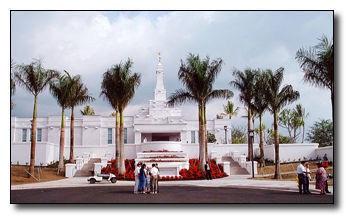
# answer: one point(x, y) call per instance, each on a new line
point(167, 194)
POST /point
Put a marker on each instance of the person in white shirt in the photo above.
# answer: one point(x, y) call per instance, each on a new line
point(154, 179)
point(308, 177)
point(138, 168)
point(301, 171)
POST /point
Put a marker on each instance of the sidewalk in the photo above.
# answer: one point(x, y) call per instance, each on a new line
point(243, 181)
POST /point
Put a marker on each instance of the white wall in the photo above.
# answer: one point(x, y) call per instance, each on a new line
point(45, 153)
point(319, 152)
point(292, 152)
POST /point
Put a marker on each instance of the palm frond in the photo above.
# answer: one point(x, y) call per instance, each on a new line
point(180, 96)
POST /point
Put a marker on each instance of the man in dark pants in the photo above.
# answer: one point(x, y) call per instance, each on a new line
point(207, 171)
point(301, 171)
point(326, 188)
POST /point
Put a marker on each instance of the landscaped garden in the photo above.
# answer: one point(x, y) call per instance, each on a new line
point(193, 173)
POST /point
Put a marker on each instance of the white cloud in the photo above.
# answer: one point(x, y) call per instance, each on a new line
point(88, 43)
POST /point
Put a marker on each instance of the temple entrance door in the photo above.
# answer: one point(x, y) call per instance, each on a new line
point(152, 137)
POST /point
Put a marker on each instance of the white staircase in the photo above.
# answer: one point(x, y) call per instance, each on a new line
point(169, 162)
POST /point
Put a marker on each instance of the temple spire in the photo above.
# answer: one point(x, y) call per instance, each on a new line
point(160, 91)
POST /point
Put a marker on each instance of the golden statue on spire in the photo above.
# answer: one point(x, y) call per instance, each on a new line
point(160, 57)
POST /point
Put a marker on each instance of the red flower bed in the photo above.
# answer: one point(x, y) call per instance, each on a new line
point(129, 167)
point(193, 173)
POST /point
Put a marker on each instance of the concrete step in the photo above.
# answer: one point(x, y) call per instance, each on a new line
point(87, 168)
point(235, 168)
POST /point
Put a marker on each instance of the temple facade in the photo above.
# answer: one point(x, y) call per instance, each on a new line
point(155, 127)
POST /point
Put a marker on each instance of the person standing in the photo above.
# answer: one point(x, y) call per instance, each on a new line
point(148, 183)
point(154, 179)
point(142, 179)
point(325, 160)
point(301, 171)
point(326, 187)
point(208, 171)
point(138, 168)
point(308, 177)
point(158, 168)
point(321, 178)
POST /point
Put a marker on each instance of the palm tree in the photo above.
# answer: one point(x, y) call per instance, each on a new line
point(198, 77)
point(259, 107)
point(277, 99)
point(34, 78)
point(12, 83)
point(109, 91)
point(87, 111)
point(126, 83)
point(60, 88)
point(245, 83)
point(318, 64)
point(230, 110)
point(300, 112)
point(78, 96)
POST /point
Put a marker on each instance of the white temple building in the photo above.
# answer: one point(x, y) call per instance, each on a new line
point(155, 127)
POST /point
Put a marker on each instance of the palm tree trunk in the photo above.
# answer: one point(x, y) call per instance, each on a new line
point(33, 139)
point(122, 150)
point(117, 140)
point(62, 142)
point(294, 134)
point(332, 98)
point(230, 131)
point(205, 132)
point(248, 133)
point(303, 132)
point(201, 138)
point(261, 143)
point(72, 136)
point(276, 143)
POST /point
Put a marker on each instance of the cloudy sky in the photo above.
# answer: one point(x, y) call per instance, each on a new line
point(87, 43)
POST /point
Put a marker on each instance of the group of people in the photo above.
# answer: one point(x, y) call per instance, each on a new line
point(304, 177)
point(146, 179)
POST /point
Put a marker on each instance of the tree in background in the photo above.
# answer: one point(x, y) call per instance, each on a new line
point(245, 83)
point(211, 138)
point(198, 77)
point(239, 135)
point(34, 78)
point(322, 133)
point(317, 62)
point(300, 113)
point(87, 111)
point(290, 120)
point(230, 110)
point(277, 98)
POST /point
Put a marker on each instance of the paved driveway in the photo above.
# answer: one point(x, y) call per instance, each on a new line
point(168, 194)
